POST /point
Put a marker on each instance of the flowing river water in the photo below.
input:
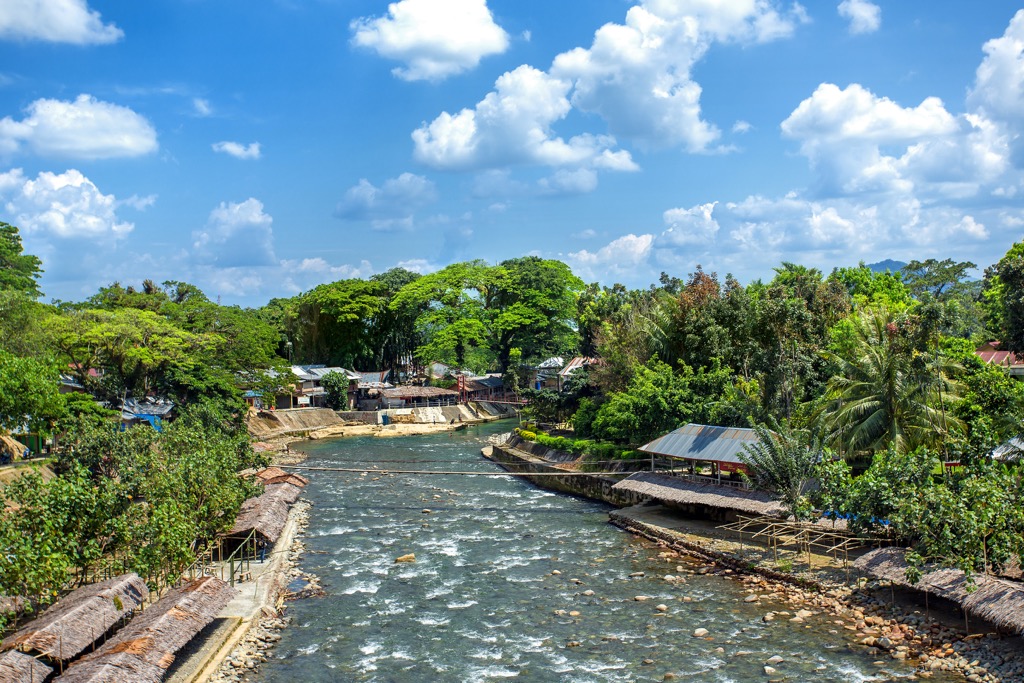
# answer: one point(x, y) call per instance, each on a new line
point(481, 603)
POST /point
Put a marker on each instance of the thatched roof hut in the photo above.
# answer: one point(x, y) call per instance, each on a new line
point(80, 618)
point(997, 601)
point(275, 475)
point(18, 667)
point(678, 491)
point(144, 650)
point(265, 514)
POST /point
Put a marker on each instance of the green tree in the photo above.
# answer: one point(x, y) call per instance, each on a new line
point(531, 305)
point(19, 272)
point(29, 394)
point(452, 324)
point(336, 386)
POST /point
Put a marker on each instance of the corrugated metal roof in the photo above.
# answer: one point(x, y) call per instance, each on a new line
point(990, 353)
point(575, 364)
point(702, 442)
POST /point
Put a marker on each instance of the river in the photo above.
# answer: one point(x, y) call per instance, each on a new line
point(481, 601)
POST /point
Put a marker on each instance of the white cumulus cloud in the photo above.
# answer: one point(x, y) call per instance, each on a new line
point(435, 38)
point(621, 256)
point(55, 21)
point(864, 16)
point(236, 235)
point(389, 207)
point(85, 128)
point(695, 225)
point(635, 75)
point(238, 150)
point(61, 205)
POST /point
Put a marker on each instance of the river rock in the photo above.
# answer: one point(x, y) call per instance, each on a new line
point(700, 633)
point(750, 598)
point(411, 557)
point(775, 659)
point(662, 608)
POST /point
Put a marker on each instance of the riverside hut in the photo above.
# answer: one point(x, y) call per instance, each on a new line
point(696, 443)
point(144, 650)
point(679, 492)
point(19, 667)
point(80, 618)
point(995, 600)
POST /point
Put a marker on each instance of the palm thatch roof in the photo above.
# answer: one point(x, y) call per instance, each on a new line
point(285, 491)
point(995, 600)
point(18, 667)
point(265, 514)
point(678, 491)
point(144, 650)
point(80, 618)
point(275, 475)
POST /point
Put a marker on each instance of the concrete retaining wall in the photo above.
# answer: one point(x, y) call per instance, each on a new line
point(593, 486)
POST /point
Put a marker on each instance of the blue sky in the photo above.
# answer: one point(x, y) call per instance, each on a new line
point(257, 149)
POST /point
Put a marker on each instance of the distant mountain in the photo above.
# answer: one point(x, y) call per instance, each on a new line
point(887, 264)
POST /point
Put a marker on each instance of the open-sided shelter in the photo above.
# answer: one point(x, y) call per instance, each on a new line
point(695, 443)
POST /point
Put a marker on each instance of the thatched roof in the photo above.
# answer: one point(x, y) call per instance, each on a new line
point(285, 491)
point(995, 600)
point(265, 514)
point(80, 618)
point(678, 491)
point(275, 475)
point(144, 650)
point(18, 667)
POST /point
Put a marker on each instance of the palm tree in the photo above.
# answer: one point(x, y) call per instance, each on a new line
point(783, 463)
point(887, 393)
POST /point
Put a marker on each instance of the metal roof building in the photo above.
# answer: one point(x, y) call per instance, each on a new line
point(701, 442)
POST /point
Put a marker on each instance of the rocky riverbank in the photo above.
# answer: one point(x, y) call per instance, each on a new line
point(865, 614)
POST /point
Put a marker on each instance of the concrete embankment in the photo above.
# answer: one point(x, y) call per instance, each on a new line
point(520, 456)
point(275, 429)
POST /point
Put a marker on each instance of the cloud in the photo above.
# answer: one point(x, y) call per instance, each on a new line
point(842, 131)
point(236, 235)
point(64, 206)
point(435, 38)
point(864, 16)
point(621, 256)
point(998, 92)
point(83, 129)
point(202, 107)
point(389, 207)
point(742, 127)
point(636, 76)
point(238, 150)
point(689, 226)
point(565, 182)
point(55, 21)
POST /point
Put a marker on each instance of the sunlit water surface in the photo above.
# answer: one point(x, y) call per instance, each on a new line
point(480, 602)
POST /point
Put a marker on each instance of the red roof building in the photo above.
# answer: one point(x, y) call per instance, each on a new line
point(991, 354)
